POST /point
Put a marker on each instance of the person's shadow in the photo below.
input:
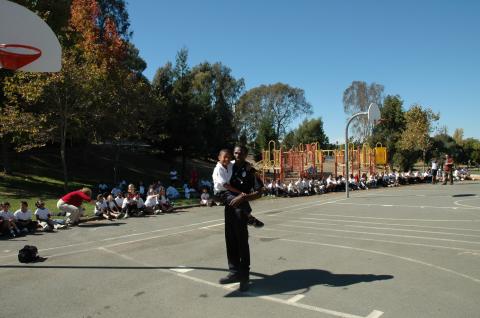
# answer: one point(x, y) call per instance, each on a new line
point(301, 280)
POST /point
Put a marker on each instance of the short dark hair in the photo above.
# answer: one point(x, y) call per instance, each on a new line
point(224, 150)
point(24, 202)
point(243, 148)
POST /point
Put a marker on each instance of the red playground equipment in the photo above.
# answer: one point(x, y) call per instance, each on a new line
point(311, 161)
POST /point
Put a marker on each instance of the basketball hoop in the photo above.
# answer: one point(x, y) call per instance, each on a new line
point(15, 56)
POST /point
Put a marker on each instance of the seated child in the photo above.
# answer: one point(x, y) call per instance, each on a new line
point(23, 219)
point(101, 208)
point(8, 221)
point(163, 202)
point(113, 208)
point(205, 198)
point(42, 214)
point(223, 191)
point(132, 203)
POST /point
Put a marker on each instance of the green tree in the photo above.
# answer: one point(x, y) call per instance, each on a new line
point(216, 92)
point(266, 133)
point(311, 131)
point(418, 126)
point(458, 136)
point(279, 102)
point(356, 98)
point(389, 132)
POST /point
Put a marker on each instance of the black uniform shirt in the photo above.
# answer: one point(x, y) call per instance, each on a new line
point(244, 178)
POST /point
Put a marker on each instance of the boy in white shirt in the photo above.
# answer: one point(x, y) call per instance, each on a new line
point(23, 219)
point(223, 191)
point(101, 208)
point(9, 220)
point(42, 214)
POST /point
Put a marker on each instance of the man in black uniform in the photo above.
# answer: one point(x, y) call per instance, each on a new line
point(237, 210)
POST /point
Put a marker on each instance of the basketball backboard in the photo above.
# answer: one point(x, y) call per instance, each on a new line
point(26, 42)
point(373, 114)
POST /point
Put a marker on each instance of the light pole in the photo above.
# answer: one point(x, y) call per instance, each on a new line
point(373, 114)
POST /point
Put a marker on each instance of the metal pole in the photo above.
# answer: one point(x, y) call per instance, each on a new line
point(347, 174)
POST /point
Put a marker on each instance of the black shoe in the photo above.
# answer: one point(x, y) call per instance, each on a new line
point(244, 286)
point(230, 278)
point(253, 221)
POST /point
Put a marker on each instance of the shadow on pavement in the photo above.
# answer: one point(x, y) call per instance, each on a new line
point(101, 224)
point(301, 281)
point(464, 195)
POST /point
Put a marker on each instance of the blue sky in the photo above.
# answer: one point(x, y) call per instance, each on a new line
point(426, 51)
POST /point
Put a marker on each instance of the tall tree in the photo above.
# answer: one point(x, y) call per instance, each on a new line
point(356, 98)
point(418, 126)
point(458, 136)
point(389, 132)
point(280, 102)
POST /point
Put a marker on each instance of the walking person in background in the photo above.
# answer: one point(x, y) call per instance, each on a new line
point(434, 171)
point(448, 169)
point(71, 204)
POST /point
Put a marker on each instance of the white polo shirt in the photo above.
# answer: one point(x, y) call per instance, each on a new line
point(23, 216)
point(42, 213)
point(221, 175)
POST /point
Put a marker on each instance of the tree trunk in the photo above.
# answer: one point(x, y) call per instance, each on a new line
point(64, 161)
point(5, 156)
point(115, 164)
point(184, 164)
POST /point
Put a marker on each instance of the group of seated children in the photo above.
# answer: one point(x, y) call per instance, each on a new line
point(311, 186)
point(21, 222)
point(132, 204)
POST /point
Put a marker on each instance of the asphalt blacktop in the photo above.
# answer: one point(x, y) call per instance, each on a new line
point(412, 251)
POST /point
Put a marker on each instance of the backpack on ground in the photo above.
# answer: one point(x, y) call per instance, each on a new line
point(28, 254)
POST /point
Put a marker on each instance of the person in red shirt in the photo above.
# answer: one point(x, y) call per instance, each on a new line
point(448, 169)
point(71, 203)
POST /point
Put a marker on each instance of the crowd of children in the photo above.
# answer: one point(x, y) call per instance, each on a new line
point(114, 202)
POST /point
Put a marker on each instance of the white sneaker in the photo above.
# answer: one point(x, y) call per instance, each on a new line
point(125, 216)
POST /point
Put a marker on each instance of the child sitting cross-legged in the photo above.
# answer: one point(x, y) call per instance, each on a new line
point(43, 216)
point(23, 219)
point(221, 184)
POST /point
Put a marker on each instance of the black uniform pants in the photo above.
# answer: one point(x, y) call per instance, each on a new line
point(236, 238)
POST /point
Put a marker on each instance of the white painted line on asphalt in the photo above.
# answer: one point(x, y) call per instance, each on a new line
point(121, 236)
point(371, 240)
point(315, 203)
point(408, 230)
point(466, 205)
point(213, 225)
point(413, 260)
point(407, 206)
point(394, 219)
point(391, 224)
point(381, 234)
point(295, 298)
point(230, 287)
point(375, 314)
point(181, 269)
point(388, 228)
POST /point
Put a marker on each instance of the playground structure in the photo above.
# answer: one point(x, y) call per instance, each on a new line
point(311, 161)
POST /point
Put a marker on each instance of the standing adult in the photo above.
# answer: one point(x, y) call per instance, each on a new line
point(71, 204)
point(448, 169)
point(237, 209)
point(434, 171)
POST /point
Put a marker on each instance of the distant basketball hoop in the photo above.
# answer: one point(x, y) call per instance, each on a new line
point(15, 56)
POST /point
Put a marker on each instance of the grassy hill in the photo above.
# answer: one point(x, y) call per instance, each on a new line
point(38, 173)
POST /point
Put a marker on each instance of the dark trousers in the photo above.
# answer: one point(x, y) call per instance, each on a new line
point(236, 238)
point(448, 175)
